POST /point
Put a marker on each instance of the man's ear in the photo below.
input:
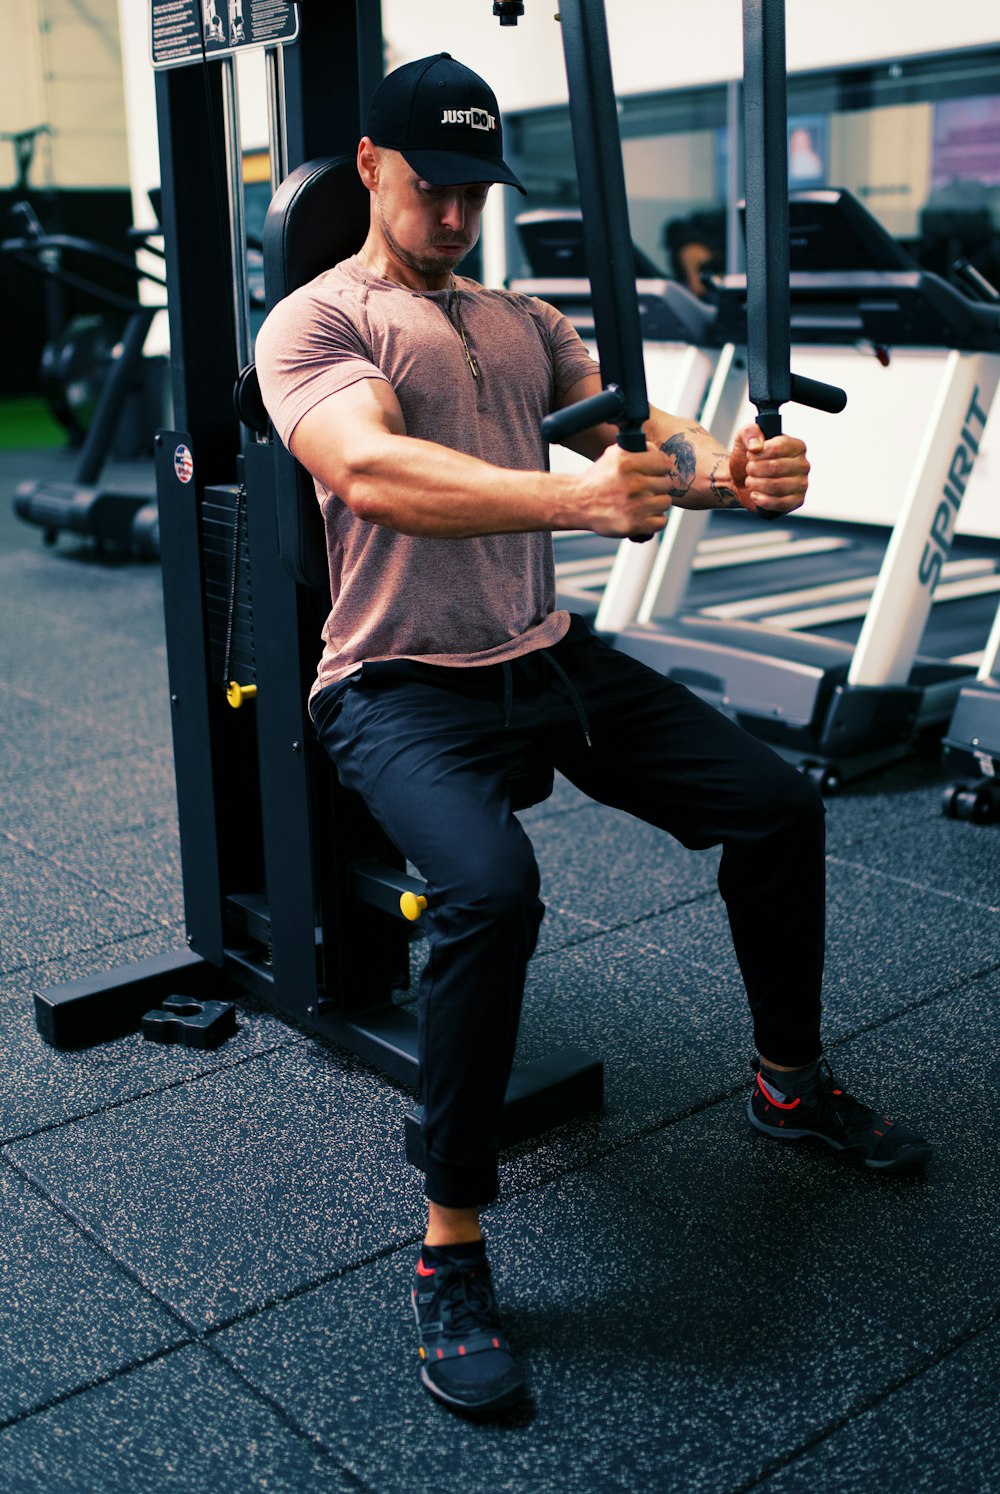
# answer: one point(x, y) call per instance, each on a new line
point(369, 161)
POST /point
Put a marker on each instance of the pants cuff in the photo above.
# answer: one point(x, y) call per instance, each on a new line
point(461, 1186)
point(792, 1050)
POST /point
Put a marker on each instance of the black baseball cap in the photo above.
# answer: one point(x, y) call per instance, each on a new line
point(444, 120)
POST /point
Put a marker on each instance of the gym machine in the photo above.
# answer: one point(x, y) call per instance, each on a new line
point(972, 742)
point(83, 506)
point(835, 708)
point(291, 891)
point(679, 351)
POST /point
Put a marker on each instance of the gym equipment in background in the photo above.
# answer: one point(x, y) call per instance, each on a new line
point(89, 374)
point(841, 709)
point(972, 742)
point(679, 351)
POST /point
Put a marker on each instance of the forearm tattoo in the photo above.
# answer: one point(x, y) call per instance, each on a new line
point(724, 495)
point(681, 452)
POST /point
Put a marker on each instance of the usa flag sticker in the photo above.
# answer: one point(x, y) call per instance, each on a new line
point(183, 464)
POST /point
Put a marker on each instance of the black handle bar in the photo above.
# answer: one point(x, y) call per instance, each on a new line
point(765, 134)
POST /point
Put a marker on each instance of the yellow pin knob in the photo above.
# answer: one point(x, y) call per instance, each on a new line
point(411, 905)
point(238, 695)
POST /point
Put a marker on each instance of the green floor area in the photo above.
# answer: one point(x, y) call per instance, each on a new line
point(27, 424)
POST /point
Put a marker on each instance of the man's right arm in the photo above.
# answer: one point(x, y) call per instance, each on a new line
point(355, 443)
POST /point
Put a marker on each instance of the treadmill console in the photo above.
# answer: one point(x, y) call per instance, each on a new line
point(552, 241)
point(851, 282)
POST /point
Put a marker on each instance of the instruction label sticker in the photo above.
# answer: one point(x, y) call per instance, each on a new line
point(183, 464)
point(186, 31)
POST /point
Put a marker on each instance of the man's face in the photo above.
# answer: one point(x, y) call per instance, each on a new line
point(429, 228)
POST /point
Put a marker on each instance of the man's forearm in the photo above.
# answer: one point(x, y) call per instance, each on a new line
point(699, 466)
point(418, 487)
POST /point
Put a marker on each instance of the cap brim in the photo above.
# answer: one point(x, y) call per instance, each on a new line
point(452, 168)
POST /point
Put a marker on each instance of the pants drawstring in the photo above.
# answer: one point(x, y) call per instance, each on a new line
point(581, 714)
point(508, 693)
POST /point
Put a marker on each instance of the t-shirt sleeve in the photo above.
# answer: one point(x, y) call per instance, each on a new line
point(308, 348)
point(571, 361)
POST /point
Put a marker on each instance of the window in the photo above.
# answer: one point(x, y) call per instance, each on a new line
point(916, 140)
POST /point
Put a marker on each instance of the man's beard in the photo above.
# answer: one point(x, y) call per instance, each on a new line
point(423, 264)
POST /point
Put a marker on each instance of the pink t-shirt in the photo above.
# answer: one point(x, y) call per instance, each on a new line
point(443, 601)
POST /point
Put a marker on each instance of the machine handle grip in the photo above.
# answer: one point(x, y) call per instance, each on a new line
point(803, 391)
point(609, 405)
point(817, 395)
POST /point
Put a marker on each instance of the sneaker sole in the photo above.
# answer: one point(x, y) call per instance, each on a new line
point(907, 1159)
point(505, 1402)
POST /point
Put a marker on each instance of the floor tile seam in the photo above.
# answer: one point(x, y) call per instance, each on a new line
point(193, 1340)
point(19, 841)
point(79, 720)
point(655, 1128)
point(93, 1383)
point(28, 612)
point(314, 1440)
point(938, 1353)
point(191, 1330)
point(126, 937)
point(124, 742)
point(306, 1288)
point(940, 993)
point(194, 1335)
point(621, 1143)
point(873, 871)
point(600, 929)
point(854, 1413)
point(298, 1040)
point(39, 966)
point(91, 883)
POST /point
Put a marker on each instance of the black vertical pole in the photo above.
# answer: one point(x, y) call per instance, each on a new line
point(766, 159)
point(607, 236)
point(330, 74)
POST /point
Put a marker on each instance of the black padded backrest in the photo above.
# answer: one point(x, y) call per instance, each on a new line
point(318, 216)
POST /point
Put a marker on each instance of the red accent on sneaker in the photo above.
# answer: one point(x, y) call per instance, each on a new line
point(423, 1270)
point(496, 1343)
point(461, 1348)
point(440, 1353)
point(781, 1104)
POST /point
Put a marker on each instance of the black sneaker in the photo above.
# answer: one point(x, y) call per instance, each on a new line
point(466, 1361)
point(831, 1115)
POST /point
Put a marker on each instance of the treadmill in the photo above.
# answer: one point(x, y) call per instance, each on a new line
point(836, 709)
point(972, 742)
point(593, 574)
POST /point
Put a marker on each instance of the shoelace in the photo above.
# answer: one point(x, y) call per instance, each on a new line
point(464, 1299)
point(837, 1103)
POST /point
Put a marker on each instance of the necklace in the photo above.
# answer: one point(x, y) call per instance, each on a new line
point(470, 357)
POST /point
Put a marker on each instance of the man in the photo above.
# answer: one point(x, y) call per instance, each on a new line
point(694, 248)
point(414, 397)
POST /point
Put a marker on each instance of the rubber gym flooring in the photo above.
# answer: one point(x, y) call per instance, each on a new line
point(205, 1258)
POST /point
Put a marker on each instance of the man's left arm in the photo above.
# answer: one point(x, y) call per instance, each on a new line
point(769, 477)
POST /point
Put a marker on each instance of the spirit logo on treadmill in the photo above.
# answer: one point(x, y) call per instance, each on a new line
point(943, 524)
point(475, 119)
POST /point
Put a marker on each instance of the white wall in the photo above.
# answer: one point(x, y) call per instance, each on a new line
point(656, 44)
point(61, 65)
point(59, 61)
